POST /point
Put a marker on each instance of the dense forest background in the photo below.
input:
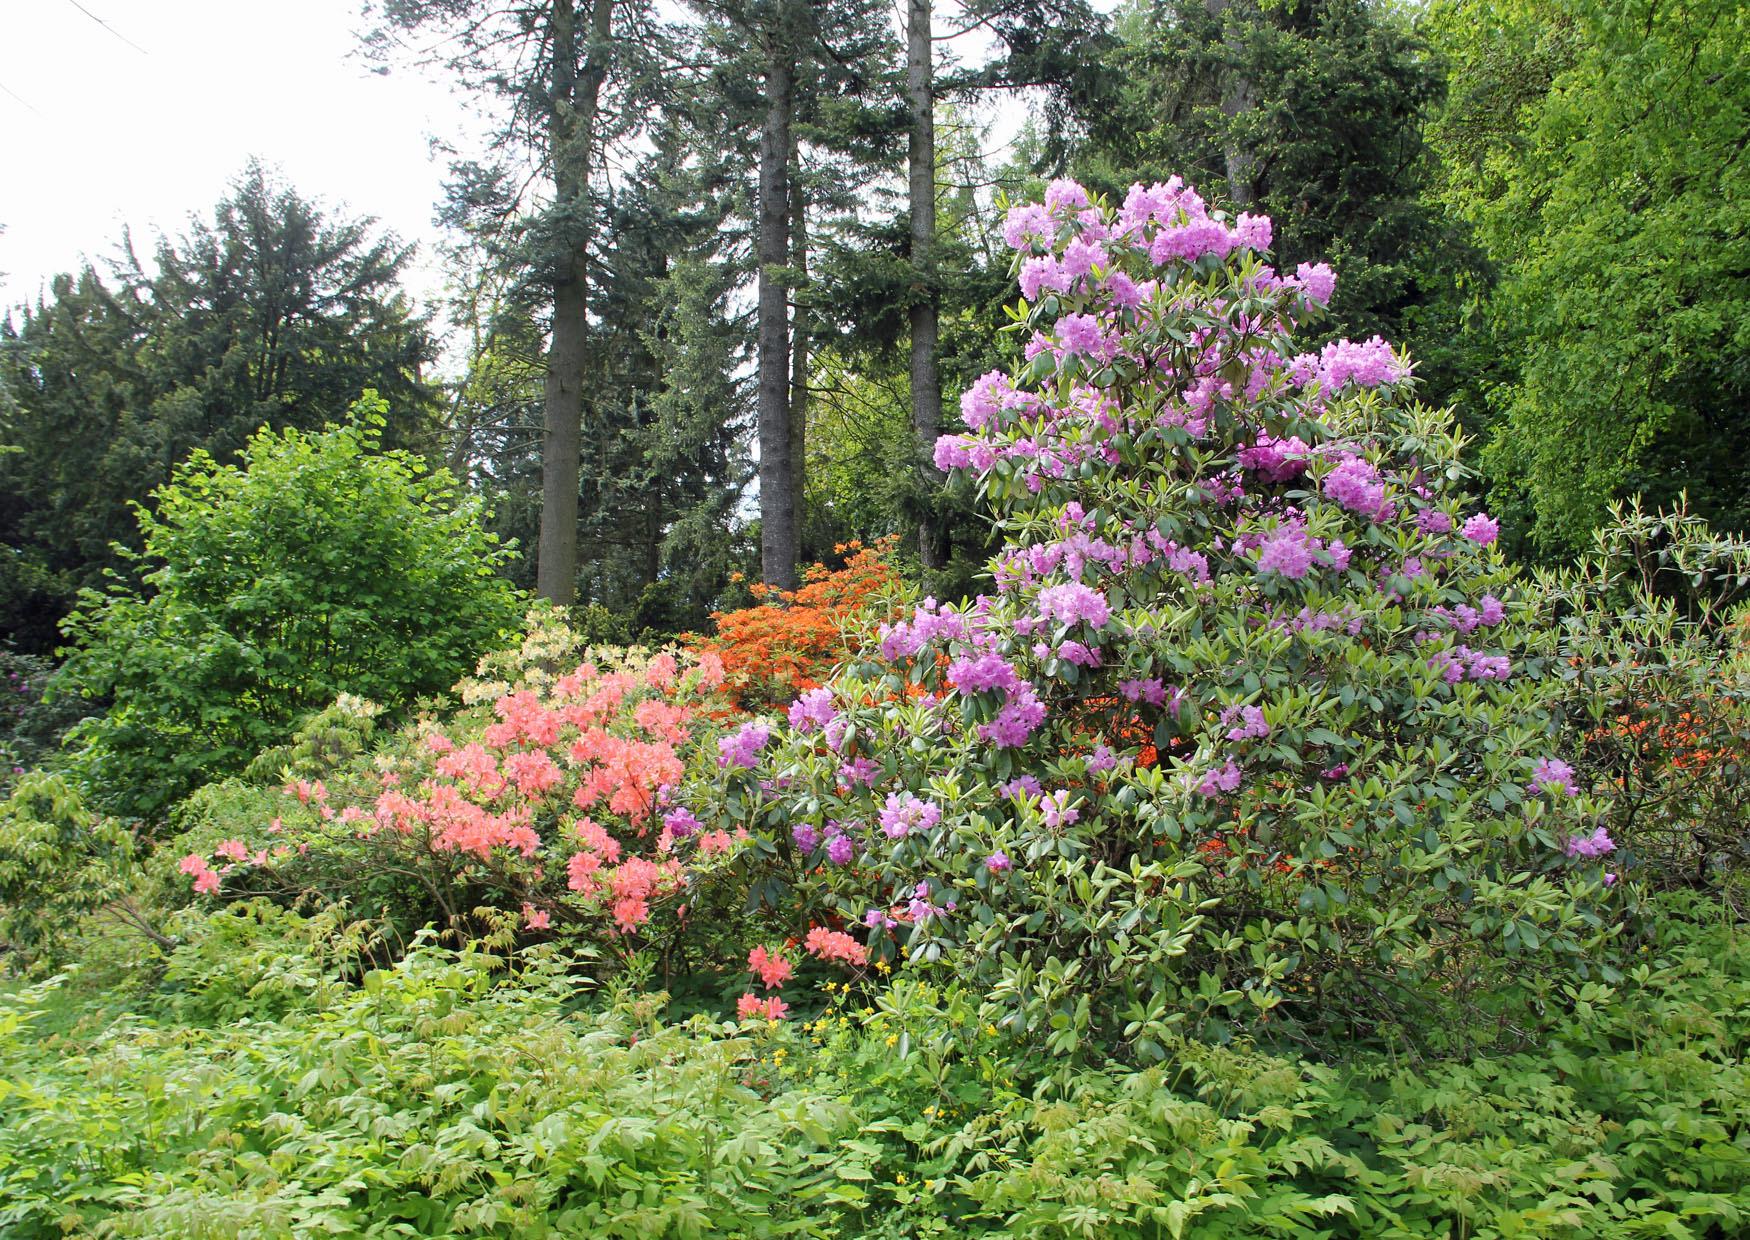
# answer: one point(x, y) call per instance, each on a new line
point(720, 273)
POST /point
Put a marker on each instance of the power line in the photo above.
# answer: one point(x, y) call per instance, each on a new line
point(118, 34)
point(21, 99)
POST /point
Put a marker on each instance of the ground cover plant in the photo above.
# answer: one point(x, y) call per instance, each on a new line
point(468, 1094)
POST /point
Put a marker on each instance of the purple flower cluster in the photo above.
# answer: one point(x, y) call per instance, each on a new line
point(1463, 663)
point(1018, 719)
point(813, 710)
point(905, 813)
point(1482, 529)
point(1552, 775)
point(1073, 602)
point(931, 622)
point(681, 823)
point(1056, 810)
point(742, 747)
point(1596, 844)
point(983, 673)
point(1247, 723)
point(1276, 460)
point(1219, 779)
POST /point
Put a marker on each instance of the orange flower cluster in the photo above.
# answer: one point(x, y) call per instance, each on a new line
point(792, 639)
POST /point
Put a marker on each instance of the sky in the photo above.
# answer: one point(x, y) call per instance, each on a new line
point(148, 120)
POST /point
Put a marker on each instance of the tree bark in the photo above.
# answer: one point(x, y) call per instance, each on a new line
point(571, 116)
point(778, 526)
point(1237, 96)
point(798, 341)
point(926, 380)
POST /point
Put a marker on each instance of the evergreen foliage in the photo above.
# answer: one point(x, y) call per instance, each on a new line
point(273, 313)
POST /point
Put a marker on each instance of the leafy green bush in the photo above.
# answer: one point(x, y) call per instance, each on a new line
point(464, 1093)
point(442, 1097)
point(318, 565)
point(33, 719)
point(58, 862)
point(1655, 639)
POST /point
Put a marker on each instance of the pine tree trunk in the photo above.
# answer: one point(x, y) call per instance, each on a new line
point(570, 136)
point(798, 343)
point(926, 381)
point(778, 526)
point(1237, 97)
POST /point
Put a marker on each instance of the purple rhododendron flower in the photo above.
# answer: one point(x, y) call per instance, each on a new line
point(1251, 723)
point(805, 835)
point(1057, 811)
point(1151, 691)
point(1287, 552)
point(814, 709)
point(742, 747)
point(1080, 333)
point(1553, 775)
point(1356, 485)
point(1317, 281)
point(1595, 845)
point(1074, 602)
point(905, 813)
point(1224, 778)
point(1482, 529)
point(998, 862)
point(982, 674)
point(681, 822)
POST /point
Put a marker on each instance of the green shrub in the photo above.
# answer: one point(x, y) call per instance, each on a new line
point(58, 862)
point(1655, 645)
point(464, 1093)
point(318, 565)
point(33, 720)
point(443, 1097)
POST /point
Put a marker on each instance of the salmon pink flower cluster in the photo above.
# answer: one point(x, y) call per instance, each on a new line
point(552, 801)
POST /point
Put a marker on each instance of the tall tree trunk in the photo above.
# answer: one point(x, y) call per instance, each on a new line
point(570, 136)
point(926, 380)
point(1237, 96)
point(798, 340)
point(778, 544)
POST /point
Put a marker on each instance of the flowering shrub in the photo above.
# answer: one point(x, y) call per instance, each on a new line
point(1657, 691)
point(1253, 724)
point(544, 797)
point(793, 638)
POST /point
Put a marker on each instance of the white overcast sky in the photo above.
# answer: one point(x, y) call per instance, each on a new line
point(95, 135)
point(140, 113)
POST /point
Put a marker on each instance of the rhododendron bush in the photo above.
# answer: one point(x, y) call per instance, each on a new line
point(1250, 724)
point(1654, 623)
point(544, 796)
point(792, 639)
